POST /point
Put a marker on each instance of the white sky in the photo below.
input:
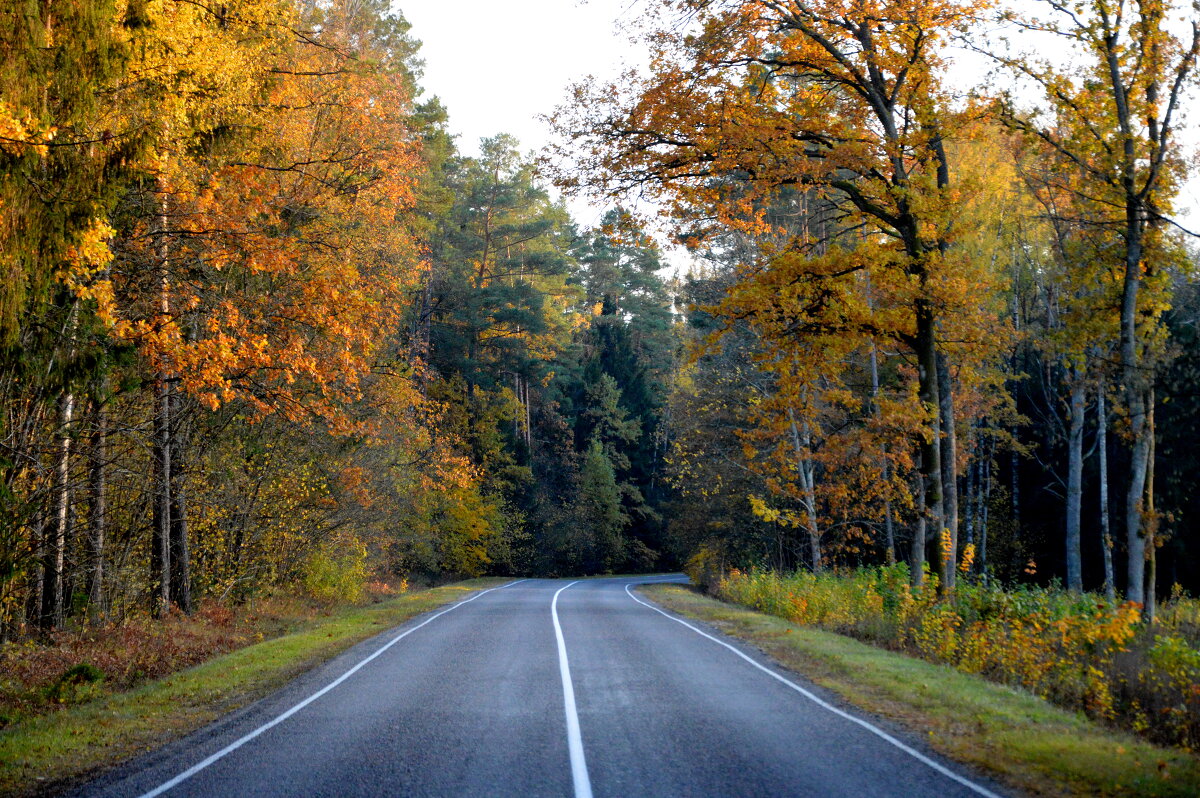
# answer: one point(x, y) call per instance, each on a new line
point(497, 65)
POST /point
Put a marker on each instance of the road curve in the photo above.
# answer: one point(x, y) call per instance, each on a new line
point(545, 688)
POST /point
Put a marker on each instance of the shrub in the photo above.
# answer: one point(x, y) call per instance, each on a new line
point(1079, 651)
point(79, 683)
point(337, 571)
point(706, 567)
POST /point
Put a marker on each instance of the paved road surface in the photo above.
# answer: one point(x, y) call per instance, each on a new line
point(545, 688)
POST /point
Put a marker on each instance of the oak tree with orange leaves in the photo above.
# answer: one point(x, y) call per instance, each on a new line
point(848, 100)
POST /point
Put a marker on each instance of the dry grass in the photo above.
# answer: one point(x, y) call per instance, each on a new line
point(78, 665)
point(57, 743)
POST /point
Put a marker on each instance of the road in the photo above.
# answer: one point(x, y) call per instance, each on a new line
point(546, 688)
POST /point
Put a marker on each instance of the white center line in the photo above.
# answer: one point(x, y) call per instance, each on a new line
point(579, 773)
point(945, 771)
point(238, 743)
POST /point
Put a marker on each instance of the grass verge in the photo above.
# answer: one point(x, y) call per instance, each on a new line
point(47, 752)
point(1014, 736)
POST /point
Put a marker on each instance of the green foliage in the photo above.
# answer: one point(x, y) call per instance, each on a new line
point(601, 519)
point(499, 270)
point(78, 684)
point(337, 571)
point(608, 422)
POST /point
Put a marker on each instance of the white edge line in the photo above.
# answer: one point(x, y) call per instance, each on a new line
point(945, 771)
point(579, 772)
point(238, 743)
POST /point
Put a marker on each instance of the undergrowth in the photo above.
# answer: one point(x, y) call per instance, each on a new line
point(1077, 651)
point(74, 666)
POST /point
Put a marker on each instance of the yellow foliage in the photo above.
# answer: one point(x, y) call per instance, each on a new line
point(968, 558)
point(337, 570)
point(1069, 649)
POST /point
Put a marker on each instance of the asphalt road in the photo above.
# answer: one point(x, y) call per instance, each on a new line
point(546, 688)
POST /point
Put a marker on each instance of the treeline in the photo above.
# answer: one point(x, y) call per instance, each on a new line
point(262, 325)
point(952, 327)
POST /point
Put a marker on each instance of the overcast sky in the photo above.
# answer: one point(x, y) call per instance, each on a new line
point(498, 65)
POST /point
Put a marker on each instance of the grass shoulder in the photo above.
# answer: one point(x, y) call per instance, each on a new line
point(1014, 736)
point(47, 752)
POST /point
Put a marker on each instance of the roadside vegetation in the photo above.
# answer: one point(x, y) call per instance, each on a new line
point(1010, 734)
point(91, 699)
point(1080, 652)
point(74, 666)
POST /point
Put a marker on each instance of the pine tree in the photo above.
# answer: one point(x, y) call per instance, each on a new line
point(601, 520)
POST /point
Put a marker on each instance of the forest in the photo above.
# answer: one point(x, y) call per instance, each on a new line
point(264, 327)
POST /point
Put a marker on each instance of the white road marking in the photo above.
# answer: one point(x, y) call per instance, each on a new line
point(238, 743)
point(579, 772)
point(970, 785)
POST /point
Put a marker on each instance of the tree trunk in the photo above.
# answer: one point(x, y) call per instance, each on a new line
point(1151, 522)
point(949, 455)
point(930, 494)
point(528, 422)
point(1013, 460)
point(98, 510)
point(1015, 466)
point(889, 526)
point(916, 557)
point(983, 515)
point(1106, 542)
point(801, 443)
point(1075, 481)
point(57, 554)
point(972, 492)
point(814, 531)
point(181, 573)
point(160, 556)
point(889, 529)
point(1135, 538)
point(1135, 397)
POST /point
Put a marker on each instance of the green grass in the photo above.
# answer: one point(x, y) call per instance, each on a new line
point(1015, 737)
point(62, 747)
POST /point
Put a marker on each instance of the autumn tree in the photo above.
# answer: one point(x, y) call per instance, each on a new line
point(274, 261)
point(710, 515)
point(746, 98)
point(62, 154)
point(1113, 114)
point(251, 170)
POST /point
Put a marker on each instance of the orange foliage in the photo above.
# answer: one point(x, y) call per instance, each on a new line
point(282, 167)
